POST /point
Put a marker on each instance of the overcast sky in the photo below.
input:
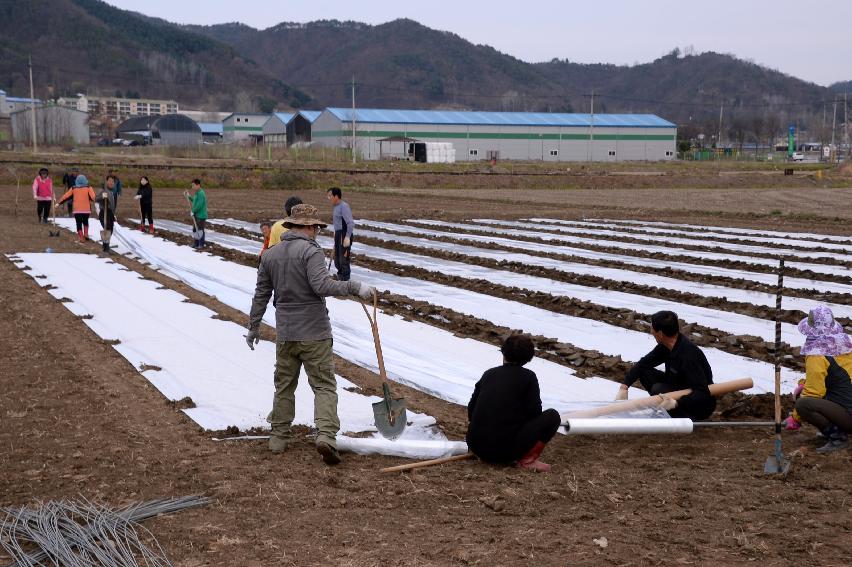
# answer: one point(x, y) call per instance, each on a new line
point(809, 40)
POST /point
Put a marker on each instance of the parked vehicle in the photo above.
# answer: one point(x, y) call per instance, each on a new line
point(797, 156)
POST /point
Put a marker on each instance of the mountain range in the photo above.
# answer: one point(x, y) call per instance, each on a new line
point(90, 46)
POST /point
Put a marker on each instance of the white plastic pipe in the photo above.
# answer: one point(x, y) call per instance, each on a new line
point(627, 426)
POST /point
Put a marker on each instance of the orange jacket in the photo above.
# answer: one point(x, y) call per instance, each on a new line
point(83, 199)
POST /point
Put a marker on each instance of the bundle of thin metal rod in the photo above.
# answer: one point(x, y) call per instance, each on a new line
point(83, 534)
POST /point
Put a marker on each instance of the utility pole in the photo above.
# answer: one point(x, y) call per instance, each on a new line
point(353, 119)
point(32, 107)
point(833, 123)
point(846, 124)
point(591, 152)
point(719, 139)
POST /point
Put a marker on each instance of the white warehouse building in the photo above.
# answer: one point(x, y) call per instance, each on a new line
point(382, 133)
point(243, 126)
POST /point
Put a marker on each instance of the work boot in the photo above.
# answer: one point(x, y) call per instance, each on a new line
point(530, 460)
point(105, 247)
point(86, 232)
point(195, 244)
point(142, 227)
point(80, 236)
point(151, 228)
point(278, 444)
point(837, 439)
point(330, 456)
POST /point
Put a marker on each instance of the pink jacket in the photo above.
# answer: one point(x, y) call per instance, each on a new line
point(43, 189)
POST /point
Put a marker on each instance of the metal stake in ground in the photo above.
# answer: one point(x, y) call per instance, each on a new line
point(778, 463)
point(389, 414)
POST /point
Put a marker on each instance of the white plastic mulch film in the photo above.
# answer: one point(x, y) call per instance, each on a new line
point(581, 332)
point(186, 353)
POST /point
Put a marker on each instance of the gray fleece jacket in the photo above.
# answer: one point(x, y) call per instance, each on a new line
point(295, 270)
point(99, 199)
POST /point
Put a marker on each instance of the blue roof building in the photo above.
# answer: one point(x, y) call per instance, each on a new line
point(10, 104)
point(500, 135)
point(289, 127)
point(275, 128)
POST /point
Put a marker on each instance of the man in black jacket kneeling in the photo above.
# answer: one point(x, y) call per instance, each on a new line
point(686, 367)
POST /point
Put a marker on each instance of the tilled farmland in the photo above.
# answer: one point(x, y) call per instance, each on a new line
point(120, 371)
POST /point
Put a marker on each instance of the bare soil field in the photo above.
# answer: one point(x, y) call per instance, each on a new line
point(77, 419)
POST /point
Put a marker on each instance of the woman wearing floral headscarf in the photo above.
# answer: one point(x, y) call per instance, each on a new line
point(826, 396)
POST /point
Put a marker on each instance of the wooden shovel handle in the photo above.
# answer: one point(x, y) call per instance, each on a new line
point(374, 325)
point(421, 464)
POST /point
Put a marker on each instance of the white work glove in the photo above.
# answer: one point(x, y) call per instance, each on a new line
point(252, 338)
point(138, 197)
point(186, 194)
point(347, 242)
point(621, 395)
point(192, 215)
point(366, 291)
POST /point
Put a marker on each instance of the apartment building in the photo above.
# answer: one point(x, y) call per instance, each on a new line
point(118, 108)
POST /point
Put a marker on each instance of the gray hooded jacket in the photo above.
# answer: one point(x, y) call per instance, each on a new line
point(295, 270)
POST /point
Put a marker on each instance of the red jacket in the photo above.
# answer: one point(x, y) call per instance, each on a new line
point(43, 188)
point(83, 199)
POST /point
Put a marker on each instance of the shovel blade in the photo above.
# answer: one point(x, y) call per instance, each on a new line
point(106, 235)
point(774, 465)
point(390, 424)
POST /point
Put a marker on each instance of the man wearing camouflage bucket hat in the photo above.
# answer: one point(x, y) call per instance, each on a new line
point(296, 271)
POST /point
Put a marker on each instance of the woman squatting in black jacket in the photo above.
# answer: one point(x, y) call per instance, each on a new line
point(506, 424)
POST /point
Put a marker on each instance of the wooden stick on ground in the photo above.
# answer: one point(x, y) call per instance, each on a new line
point(653, 401)
point(420, 464)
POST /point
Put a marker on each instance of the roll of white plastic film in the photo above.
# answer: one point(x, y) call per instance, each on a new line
point(603, 426)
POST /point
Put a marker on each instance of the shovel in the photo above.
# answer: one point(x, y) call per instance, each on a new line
point(105, 233)
point(390, 416)
point(53, 231)
point(777, 463)
point(196, 234)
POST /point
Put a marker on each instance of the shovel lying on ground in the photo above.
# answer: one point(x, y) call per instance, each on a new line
point(777, 463)
point(389, 413)
point(53, 231)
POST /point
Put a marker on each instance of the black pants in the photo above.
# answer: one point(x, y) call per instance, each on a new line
point(110, 220)
point(82, 220)
point(70, 207)
point(541, 428)
point(823, 413)
point(43, 210)
point(199, 224)
point(342, 255)
point(695, 408)
point(147, 210)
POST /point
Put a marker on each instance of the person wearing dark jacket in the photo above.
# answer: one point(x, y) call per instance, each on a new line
point(69, 180)
point(686, 367)
point(145, 194)
point(506, 424)
point(106, 215)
